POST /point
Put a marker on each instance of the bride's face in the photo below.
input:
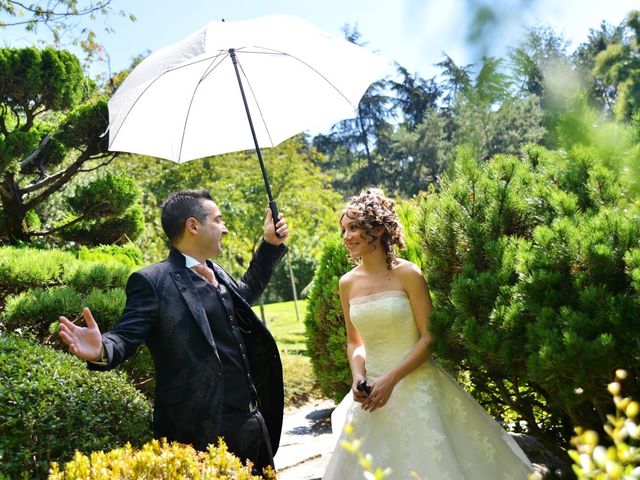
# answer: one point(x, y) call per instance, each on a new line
point(354, 237)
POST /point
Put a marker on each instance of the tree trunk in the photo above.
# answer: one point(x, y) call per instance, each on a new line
point(14, 212)
point(365, 141)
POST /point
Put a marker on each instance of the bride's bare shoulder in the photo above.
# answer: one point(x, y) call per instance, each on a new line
point(405, 267)
point(347, 278)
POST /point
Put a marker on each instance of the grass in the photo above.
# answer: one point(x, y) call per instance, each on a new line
point(285, 327)
point(289, 332)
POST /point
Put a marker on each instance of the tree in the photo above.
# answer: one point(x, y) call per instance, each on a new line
point(619, 68)
point(542, 53)
point(415, 97)
point(60, 19)
point(49, 134)
point(303, 194)
point(484, 112)
point(354, 143)
point(583, 60)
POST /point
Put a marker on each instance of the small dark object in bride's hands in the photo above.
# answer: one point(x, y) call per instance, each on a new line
point(363, 387)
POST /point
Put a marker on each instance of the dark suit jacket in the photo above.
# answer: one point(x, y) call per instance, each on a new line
point(164, 311)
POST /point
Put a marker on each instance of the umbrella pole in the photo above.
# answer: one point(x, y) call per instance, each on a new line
point(272, 202)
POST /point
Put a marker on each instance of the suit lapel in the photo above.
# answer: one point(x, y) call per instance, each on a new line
point(224, 279)
point(182, 279)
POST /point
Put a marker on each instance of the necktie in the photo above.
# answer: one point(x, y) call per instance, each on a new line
point(207, 273)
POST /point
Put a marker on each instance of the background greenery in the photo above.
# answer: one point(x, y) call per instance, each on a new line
point(518, 179)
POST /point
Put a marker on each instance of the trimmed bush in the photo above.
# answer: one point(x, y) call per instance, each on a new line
point(93, 277)
point(37, 311)
point(324, 322)
point(156, 460)
point(532, 263)
point(51, 405)
point(127, 254)
point(23, 268)
point(84, 276)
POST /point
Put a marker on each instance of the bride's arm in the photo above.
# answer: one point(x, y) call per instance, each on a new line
point(414, 284)
point(355, 346)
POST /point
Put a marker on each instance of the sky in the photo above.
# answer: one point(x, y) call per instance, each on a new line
point(414, 33)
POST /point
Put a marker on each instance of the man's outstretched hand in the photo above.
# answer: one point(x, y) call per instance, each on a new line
point(84, 342)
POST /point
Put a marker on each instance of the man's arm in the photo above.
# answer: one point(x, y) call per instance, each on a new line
point(135, 323)
point(105, 351)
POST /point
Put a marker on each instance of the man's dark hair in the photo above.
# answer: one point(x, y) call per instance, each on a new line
point(178, 207)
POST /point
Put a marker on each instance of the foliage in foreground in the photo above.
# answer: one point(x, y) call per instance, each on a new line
point(157, 460)
point(51, 405)
point(620, 456)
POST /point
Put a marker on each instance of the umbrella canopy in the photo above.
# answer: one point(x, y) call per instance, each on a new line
point(183, 102)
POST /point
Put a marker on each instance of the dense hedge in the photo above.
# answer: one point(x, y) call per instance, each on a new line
point(324, 322)
point(36, 311)
point(50, 283)
point(24, 268)
point(51, 405)
point(45, 284)
point(534, 264)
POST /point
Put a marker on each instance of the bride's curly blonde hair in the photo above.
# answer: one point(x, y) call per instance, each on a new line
point(371, 209)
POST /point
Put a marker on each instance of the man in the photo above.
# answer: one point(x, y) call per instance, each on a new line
point(218, 371)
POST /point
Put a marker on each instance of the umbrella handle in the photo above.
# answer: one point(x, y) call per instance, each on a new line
point(274, 214)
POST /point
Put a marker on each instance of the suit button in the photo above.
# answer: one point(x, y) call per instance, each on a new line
point(178, 276)
point(219, 375)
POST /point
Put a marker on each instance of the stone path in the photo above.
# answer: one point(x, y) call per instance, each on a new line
point(306, 444)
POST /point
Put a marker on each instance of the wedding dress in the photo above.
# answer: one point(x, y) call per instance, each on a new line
point(430, 425)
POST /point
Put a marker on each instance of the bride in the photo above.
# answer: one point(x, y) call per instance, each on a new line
point(410, 414)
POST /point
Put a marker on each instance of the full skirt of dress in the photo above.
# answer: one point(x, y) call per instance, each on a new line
point(430, 425)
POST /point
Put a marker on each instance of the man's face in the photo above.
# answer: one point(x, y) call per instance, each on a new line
point(211, 230)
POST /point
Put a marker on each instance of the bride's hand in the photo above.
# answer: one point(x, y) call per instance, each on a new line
point(381, 390)
point(358, 396)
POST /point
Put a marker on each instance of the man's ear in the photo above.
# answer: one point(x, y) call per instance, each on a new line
point(191, 225)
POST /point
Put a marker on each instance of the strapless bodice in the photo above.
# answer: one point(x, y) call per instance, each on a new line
point(386, 324)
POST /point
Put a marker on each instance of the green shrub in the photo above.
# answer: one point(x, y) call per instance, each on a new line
point(128, 225)
point(51, 405)
point(156, 460)
point(22, 268)
point(127, 254)
point(35, 311)
point(531, 263)
point(87, 275)
point(324, 322)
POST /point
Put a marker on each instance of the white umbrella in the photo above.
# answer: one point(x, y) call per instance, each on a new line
point(186, 101)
